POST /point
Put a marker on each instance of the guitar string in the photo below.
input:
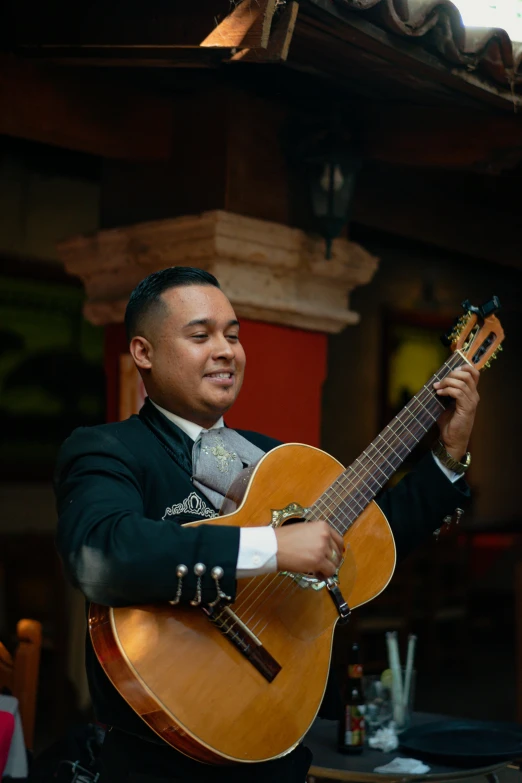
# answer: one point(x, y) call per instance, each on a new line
point(320, 512)
point(402, 425)
point(332, 515)
point(288, 587)
point(396, 436)
point(415, 419)
point(375, 464)
point(239, 606)
point(423, 421)
point(368, 456)
point(285, 586)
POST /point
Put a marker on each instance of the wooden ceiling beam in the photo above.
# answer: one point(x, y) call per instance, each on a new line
point(246, 34)
point(279, 41)
point(85, 114)
point(440, 137)
point(247, 26)
point(460, 212)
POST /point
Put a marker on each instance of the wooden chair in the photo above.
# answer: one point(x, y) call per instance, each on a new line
point(19, 673)
point(34, 586)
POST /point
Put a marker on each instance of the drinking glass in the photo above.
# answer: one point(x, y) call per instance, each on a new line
point(378, 710)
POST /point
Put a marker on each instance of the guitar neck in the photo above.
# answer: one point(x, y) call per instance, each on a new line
point(357, 486)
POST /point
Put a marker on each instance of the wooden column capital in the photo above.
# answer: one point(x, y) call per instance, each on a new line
point(270, 272)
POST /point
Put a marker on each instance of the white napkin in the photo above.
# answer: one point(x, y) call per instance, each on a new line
point(384, 739)
point(409, 766)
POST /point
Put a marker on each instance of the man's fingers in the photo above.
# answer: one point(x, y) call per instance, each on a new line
point(327, 569)
point(309, 548)
point(472, 371)
point(458, 384)
point(338, 539)
point(330, 564)
point(455, 385)
point(470, 376)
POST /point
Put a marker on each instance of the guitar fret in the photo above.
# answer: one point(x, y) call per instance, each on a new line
point(345, 497)
point(340, 507)
point(359, 477)
point(356, 487)
point(338, 512)
point(385, 458)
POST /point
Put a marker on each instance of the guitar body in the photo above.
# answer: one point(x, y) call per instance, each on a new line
point(192, 686)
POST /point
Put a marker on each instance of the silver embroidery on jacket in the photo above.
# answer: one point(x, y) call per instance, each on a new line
point(191, 505)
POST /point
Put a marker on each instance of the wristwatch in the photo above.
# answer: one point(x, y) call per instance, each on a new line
point(457, 466)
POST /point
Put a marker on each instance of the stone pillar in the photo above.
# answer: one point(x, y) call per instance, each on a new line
point(288, 297)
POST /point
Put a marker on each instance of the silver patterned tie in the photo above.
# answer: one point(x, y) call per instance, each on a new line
point(218, 456)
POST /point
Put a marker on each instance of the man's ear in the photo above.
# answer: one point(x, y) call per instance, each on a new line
point(141, 351)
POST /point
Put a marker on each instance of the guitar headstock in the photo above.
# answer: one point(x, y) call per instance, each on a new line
point(477, 334)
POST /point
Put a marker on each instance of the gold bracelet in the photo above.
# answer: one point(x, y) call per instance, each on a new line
point(457, 466)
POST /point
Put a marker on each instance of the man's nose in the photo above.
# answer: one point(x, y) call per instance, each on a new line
point(223, 347)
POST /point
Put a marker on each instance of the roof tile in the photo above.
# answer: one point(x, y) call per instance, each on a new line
point(438, 24)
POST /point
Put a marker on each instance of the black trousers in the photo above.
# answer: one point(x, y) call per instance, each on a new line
point(125, 758)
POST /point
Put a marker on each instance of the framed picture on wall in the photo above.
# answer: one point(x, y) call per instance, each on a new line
point(412, 351)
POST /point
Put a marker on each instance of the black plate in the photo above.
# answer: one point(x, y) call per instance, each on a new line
point(465, 741)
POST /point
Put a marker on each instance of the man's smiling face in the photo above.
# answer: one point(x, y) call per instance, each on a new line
point(191, 360)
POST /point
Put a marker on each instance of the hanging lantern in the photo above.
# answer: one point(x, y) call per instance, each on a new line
point(332, 167)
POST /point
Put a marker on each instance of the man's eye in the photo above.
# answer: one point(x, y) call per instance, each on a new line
point(233, 337)
point(200, 335)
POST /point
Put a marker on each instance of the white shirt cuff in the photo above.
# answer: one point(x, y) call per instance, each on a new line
point(453, 477)
point(257, 552)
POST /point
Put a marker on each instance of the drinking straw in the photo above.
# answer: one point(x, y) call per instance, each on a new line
point(412, 640)
point(395, 666)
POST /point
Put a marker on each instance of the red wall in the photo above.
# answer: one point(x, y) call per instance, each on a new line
point(285, 372)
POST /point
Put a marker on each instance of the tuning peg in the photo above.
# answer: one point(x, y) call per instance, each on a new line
point(455, 331)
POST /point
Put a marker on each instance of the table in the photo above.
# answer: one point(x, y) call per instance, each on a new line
point(329, 764)
point(16, 766)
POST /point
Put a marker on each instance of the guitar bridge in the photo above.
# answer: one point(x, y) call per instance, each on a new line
point(231, 626)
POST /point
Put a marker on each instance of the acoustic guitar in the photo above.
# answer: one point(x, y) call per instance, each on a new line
point(229, 683)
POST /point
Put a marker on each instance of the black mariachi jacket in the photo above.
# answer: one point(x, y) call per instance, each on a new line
point(122, 491)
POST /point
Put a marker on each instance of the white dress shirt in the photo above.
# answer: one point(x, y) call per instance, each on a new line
point(257, 545)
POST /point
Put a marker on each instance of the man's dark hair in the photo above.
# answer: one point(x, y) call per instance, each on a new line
point(146, 297)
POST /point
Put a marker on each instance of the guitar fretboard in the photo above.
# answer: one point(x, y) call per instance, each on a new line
point(357, 486)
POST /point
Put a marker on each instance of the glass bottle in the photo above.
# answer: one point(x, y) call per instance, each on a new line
point(351, 724)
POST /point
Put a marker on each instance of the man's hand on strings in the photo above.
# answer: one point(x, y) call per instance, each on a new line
point(456, 423)
point(309, 548)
